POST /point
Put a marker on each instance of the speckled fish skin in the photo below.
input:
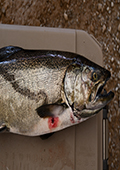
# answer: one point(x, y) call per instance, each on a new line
point(45, 91)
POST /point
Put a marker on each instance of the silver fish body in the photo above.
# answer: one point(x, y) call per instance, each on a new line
point(45, 91)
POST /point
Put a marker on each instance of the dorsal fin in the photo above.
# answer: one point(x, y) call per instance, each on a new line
point(6, 52)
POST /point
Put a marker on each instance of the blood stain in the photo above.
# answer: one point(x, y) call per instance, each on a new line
point(72, 119)
point(53, 122)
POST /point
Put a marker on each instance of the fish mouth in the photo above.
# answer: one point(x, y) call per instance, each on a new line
point(97, 100)
point(99, 97)
point(97, 91)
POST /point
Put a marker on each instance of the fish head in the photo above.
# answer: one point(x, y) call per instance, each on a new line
point(84, 88)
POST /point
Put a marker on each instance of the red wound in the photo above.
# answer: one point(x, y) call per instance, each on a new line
point(53, 122)
point(72, 119)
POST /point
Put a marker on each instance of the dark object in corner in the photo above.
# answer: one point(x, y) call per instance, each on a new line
point(46, 136)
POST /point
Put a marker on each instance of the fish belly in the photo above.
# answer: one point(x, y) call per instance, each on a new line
point(22, 95)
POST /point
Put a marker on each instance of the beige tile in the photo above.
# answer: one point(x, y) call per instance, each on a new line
point(28, 153)
point(37, 37)
point(88, 47)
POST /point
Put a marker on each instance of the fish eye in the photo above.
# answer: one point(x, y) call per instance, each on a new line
point(95, 76)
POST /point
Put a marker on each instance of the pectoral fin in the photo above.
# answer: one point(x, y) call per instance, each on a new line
point(51, 110)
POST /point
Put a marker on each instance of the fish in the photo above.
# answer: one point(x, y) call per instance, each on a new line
point(44, 91)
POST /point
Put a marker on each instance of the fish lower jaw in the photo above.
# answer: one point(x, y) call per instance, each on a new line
point(100, 91)
point(100, 102)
